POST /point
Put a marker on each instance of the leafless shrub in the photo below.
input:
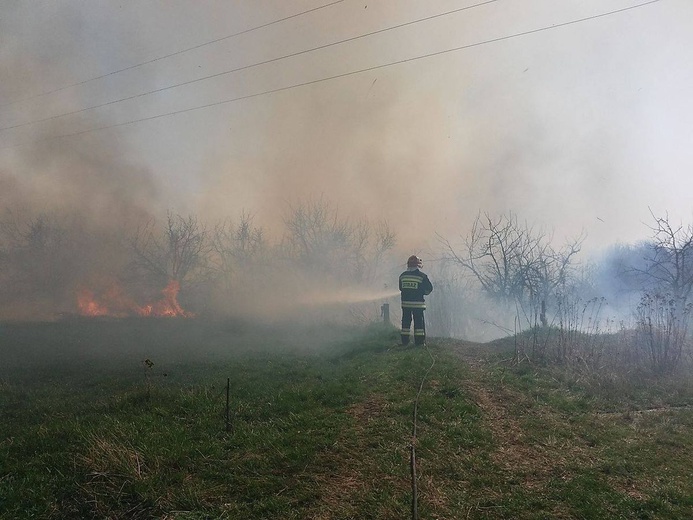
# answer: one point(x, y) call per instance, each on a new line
point(662, 330)
point(582, 335)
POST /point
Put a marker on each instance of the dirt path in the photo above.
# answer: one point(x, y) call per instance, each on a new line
point(506, 412)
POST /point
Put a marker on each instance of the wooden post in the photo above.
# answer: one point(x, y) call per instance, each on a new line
point(385, 313)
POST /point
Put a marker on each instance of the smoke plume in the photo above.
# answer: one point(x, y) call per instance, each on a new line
point(579, 128)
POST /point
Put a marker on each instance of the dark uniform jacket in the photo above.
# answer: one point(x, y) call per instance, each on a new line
point(414, 285)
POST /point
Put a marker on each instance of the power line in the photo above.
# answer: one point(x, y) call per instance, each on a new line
point(252, 65)
point(171, 54)
point(354, 72)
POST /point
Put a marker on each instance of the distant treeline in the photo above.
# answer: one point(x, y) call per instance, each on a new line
point(502, 278)
point(225, 266)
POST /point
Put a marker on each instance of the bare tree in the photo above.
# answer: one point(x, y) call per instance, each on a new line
point(547, 272)
point(236, 246)
point(175, 252)
point(385, 240)
point(669, 266)
point(492, 253)
point(325, 243)
point(514, 263)
point(316, 236)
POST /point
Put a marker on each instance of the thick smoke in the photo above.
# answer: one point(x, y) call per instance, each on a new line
point(67, 204)
point(577, 129)
point(67, 210)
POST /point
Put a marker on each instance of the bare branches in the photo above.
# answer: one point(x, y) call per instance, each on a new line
point(172, 252)
point(513, 262)
point(670, 264)
point(323, 242)
point(236, 247)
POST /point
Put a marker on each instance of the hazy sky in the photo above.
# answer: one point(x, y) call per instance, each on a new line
point(577, 128)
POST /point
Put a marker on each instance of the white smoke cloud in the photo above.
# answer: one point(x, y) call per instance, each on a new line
point(580, 128)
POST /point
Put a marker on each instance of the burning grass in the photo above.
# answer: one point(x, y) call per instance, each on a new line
point(113, 301)
point(320, 429)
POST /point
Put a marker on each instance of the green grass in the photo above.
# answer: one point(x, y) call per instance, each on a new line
point(321, 427)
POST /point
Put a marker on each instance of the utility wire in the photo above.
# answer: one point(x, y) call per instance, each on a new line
point(250, 66)
point(351, 73)
point(172, 54)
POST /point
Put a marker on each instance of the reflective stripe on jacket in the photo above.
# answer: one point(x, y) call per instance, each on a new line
point(414, 285)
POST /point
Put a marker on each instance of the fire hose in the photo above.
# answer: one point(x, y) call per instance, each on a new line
point(412, 446)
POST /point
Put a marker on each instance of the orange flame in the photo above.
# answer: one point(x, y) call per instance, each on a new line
point(168, 304)
point(88, 306)
point(115, 303)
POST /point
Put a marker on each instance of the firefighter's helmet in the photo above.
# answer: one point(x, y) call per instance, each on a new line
point(414, 261)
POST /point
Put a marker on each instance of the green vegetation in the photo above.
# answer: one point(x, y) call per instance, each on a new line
point(321, 423)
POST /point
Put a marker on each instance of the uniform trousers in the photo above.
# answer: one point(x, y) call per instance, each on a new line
point(417, 315)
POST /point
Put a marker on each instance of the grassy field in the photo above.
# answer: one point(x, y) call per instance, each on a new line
point(321, 421)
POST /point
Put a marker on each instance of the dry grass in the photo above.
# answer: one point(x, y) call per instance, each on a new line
point(324, 435)
point(347, 477)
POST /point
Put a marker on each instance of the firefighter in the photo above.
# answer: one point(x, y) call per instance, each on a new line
point(414, 285)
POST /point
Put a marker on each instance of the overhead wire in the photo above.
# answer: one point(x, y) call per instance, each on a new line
point(349, 73)
point(250, 66)
point(170, 55)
